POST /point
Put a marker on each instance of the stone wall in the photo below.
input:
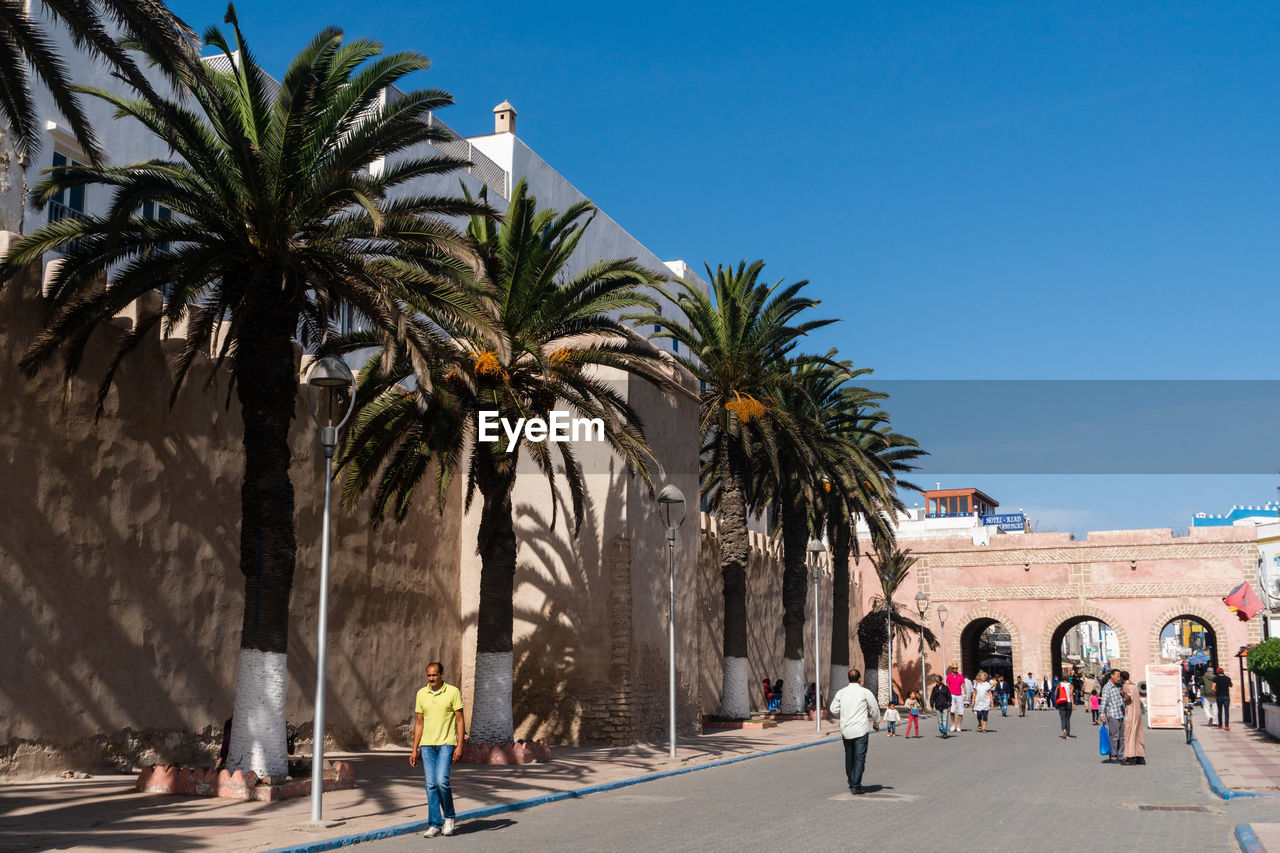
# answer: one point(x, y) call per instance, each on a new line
point(1135, 581)
point(119, 570)
point(764, 623)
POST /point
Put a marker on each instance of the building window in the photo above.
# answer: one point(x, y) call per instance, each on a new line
point(68, 202)
point(152, 210)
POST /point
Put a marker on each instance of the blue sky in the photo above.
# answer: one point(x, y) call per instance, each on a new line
point(980, 191)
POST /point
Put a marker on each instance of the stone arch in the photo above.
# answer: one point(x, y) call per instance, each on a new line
point(1185, 607)
point(1081, 612)
point(984, 610)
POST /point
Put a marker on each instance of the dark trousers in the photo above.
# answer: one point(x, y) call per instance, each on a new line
point(1095, 713)
point(855, 759)
point(1224, 710)
point(1064, 716)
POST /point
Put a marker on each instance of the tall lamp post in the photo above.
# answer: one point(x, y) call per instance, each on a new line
point(888, 622)
point(671, 500)
point(922, 605)
point(331, 381)
point(942, 629)
point(816, 549)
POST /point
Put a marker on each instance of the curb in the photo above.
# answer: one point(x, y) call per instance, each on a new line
point(1215, 782)
point(1248, 842)
point(521, 805)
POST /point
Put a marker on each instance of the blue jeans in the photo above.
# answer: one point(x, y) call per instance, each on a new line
point(1004, 704)
point(436, 763)
point(942, 722)
point(855, 759)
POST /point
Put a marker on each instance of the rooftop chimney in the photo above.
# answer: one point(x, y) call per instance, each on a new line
point(504, 118)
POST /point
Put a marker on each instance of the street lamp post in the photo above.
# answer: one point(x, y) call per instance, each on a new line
point(922, 605)
point(816, 548)
point(888, 622)
point(671, 500)
point(331, 377)
point(942, 629)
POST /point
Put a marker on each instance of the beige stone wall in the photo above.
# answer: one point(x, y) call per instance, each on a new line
point(764, 624)
point(119, 575)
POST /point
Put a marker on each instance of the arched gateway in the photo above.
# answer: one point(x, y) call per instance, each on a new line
point(1038, 585)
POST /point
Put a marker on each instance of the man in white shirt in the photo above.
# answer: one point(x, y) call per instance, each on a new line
point(859, 713)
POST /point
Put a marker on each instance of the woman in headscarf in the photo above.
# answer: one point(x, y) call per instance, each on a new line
point(1135, 751)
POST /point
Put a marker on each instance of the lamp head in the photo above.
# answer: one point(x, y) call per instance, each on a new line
point(331, 392)
point(942, 613)
point(816, 546)
point(671, 501)
point(922, 602)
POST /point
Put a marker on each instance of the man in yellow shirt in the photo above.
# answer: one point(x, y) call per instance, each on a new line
point(439, 733)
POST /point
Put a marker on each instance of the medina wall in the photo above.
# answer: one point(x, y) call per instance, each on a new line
point(764, 618)
point(1136, 581)
point(119, 570)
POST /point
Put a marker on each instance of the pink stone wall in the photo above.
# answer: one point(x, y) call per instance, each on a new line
point(1134, 580)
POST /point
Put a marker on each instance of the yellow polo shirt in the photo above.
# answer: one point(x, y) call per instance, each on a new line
point(437, 710)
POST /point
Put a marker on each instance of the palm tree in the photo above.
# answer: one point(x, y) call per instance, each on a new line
point(26, 44)
point(892, 565)
point(278, 225)
point(860, 498)
point(817, 455)
point(550, 342)
point(739, 341)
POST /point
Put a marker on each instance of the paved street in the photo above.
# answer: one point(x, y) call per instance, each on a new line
point(968, 792)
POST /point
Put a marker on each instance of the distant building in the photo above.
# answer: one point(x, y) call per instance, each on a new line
point(956, 512)
point(1239, 515)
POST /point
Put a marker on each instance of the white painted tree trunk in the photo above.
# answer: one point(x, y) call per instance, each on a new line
point(735, 700)
point(882, 678)
point(258, 724)
point(838, 680)
point(793, 686)
point(491, 712)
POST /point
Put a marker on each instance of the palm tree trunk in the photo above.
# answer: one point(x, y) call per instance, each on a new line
point(491, 719)
point(795, 541)
point(841, 537)
point(267, 387)
point(735, 551)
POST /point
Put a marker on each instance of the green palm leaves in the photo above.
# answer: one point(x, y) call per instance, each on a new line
point(26, 47)
point(547, 342)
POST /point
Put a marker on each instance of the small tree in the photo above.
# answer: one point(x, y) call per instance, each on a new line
point(1264, 659)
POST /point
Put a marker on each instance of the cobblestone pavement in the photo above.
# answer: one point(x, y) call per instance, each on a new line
point(969, 792)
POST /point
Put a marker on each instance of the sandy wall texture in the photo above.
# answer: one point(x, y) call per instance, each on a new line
point(119, 580)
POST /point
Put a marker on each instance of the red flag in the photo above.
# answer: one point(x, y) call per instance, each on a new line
point(1243, 602)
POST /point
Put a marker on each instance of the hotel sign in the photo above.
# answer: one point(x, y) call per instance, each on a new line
point(1008, 521)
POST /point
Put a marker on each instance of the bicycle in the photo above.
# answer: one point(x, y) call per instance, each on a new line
point(1188, 712)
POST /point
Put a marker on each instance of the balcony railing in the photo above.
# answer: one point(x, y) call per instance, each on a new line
point(58, 211)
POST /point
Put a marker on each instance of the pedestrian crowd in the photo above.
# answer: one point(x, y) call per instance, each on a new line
point(1115, 703)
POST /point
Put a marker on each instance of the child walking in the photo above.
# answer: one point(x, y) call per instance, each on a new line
point(1094, 704)
point(913, 713)
point(891, 717)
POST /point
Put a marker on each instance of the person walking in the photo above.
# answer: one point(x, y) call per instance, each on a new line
point(982, 689)
point(1112, 716)
point(1222, 695)
point(940, 701)
point(438, 732)
point(1094, 704)
point(913, 713)
point(1002, 695)
point(955, 685)
point(1064, 700)
point(1206, 696)
point(859, 713)
point(1044, 695)
point(1135, 750)
point(1029, 692)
